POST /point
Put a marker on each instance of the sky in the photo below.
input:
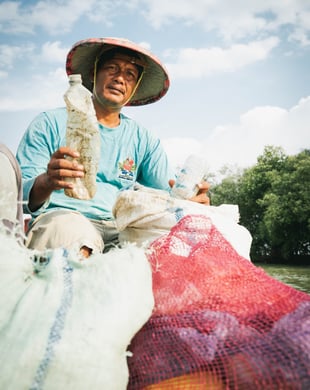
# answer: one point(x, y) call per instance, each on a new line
point(239, 70)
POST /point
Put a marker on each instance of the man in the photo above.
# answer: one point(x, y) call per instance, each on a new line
point(118, 73)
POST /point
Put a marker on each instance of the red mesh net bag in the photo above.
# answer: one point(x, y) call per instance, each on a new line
point(219, 321)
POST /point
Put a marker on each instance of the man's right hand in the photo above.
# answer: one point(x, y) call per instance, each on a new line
point(62, 165)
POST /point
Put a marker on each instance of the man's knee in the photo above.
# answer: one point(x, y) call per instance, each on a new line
point(64, 228)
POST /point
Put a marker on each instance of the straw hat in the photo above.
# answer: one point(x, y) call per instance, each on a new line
point(155, 81)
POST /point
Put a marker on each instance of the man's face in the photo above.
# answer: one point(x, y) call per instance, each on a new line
point(116, 80)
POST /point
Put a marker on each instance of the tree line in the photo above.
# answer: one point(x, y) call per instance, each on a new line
point(274, 204)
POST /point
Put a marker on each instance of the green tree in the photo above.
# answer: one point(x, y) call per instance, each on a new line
point(255, 184)
point(286, 219)
point(274, 203)
point(227, 191)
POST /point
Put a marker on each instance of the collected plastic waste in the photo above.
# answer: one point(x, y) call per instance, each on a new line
point(190, 175)
point(83, 136)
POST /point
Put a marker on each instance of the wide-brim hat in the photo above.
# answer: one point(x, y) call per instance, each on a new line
point(154, 83)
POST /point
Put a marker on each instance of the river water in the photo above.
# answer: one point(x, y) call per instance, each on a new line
point(295, 276)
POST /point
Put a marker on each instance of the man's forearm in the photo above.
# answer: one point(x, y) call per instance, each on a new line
point(40, 192)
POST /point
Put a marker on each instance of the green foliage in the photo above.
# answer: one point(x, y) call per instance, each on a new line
point(228, 190)
point(274, 203)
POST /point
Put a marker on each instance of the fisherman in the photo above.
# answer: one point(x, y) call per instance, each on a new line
point(118, 73)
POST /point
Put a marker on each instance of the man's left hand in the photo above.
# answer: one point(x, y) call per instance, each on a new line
point(202, 195)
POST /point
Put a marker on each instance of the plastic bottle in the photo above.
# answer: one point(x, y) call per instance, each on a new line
point(82, 135)
point(191, 174)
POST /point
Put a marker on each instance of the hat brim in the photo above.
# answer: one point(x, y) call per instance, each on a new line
point(155, 81)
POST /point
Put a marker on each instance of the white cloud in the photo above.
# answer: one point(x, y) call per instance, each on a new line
point(146, 45)
point(10, 54)
point(39, 92)
point(52, 52)
point(13, 18)
point(301, 36)
point(241, 143)
point(54, 16)
point(195, 63)
point(231, 19)
point(58, 16)
point(3, 75)
point(179, 148)
point(42, 88)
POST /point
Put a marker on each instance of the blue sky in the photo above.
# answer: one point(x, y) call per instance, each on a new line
point(240, 71)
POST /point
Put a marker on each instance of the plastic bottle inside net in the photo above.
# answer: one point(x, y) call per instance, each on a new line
point(192, 173)
point(82, 135)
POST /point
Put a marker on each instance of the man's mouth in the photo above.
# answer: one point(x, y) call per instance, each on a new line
point(115, 89)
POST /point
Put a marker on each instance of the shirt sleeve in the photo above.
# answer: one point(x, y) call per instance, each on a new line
point(155, 170)
point(39, 142)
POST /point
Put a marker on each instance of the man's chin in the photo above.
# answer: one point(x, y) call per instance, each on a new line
point(111, 101)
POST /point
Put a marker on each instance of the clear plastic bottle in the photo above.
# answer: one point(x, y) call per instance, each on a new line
point(191, 174)
point(82, 135)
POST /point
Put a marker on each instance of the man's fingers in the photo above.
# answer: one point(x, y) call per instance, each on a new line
point(61, 173)
point(202, 198)
point(171, 183)
point(61, 184)
point(64, 151)
point(65, 166)
point(204, 186)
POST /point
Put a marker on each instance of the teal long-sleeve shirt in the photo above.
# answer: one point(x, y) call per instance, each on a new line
point(129, 154)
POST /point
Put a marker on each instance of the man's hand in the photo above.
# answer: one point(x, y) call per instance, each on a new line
point(58, 168)
point(202, 195)
point(61, 167)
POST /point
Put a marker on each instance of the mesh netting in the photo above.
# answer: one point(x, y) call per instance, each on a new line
point(219, 321)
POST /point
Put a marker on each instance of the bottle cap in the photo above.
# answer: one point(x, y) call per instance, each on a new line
point(75, 78)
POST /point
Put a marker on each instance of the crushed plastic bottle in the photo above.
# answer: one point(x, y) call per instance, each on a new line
point(82, 135)
point(191, 174)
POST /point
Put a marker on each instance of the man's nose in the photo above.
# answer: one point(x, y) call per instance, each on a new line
point(119, 77)
point(121, 72)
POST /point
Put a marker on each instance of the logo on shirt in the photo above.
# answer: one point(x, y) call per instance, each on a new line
point(127, 168)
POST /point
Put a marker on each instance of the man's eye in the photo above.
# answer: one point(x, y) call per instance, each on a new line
point(131, 75)
point(112, 68)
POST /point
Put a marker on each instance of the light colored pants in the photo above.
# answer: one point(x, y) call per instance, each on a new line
point(71, 230)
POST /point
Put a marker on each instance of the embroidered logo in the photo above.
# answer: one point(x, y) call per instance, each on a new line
point(127, 168)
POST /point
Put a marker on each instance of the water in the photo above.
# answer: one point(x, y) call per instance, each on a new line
point(295, 276)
